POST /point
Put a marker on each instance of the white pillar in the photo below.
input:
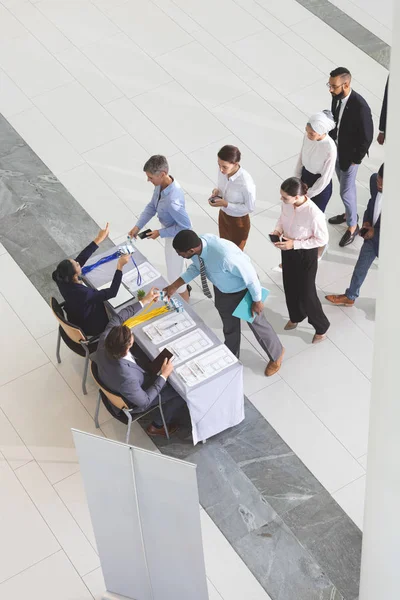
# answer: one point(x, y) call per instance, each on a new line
point(380, 565)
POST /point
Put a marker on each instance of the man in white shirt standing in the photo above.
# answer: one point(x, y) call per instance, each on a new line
point(353, 135)
point(370, 249)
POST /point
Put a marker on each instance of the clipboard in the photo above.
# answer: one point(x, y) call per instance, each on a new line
point(243, 309)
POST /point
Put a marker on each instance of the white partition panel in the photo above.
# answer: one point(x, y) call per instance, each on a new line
point(145, 514)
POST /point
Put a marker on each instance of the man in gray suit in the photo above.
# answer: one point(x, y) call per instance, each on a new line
point(119, 371)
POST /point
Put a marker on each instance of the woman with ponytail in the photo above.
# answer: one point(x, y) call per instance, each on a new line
point(85, 306)
point(302, 229)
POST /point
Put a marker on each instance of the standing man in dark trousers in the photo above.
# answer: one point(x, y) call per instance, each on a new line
point(353, 135)
point(382, 119)
point(226, 266)
point(370, 249)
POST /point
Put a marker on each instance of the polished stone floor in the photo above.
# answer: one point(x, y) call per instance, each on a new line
point(89, 91)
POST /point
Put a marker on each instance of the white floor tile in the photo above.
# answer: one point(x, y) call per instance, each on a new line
point(39, 26)
point(31, 66)
point(95, 583)
point(115, 430)
point(88, 75)
point(12, 99)
point(22, 294)
point(212, 592)
point(192, 178)
point(2, 250)
point(29, 539)
point(301, 46)
point(224, 55)
point(266, 18)
point(279, 102)
point(211, 83)
point(126, 65)
point(344, 412)
point(120, 164)
point(299, 72)
point(11, 445)
point(307, 436)
point(229, 22)
point(94, 195)
point(225, 569)
point(148, 135)
point(78, 117)
point(363, 461)
point(254, 364)
point(270, 135)
point(178, 109)
point(289, 12)
point(151, 28)
point(72, 493)
point(264, 177)
point(81, 21)
point(51, 578)
point(44, 139)
point(58, 518)
point(351, 499)
point(42, 409)
point(177, 15)
point(10, 27)
point(12, 364)
point(312, 98)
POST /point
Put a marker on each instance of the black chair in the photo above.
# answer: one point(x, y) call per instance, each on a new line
point(74, 338)
point(118, 408)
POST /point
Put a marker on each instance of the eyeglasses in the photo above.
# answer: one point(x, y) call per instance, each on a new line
point(333, 87)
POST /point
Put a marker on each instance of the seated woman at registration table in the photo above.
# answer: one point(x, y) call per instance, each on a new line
point(85, 306)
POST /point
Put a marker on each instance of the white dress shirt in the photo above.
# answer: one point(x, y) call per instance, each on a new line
point(305, 224)
point(318, 157)
point(377, 207)
point(239, 191)
point(342, 107)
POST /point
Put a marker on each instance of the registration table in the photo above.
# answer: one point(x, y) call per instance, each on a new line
point(215, 401)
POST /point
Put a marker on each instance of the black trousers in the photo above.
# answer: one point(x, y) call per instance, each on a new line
point(299, 269)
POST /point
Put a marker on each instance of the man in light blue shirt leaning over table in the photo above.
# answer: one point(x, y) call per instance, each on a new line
point(231, 272)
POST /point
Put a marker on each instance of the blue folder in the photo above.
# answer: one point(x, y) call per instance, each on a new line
point(243, 309)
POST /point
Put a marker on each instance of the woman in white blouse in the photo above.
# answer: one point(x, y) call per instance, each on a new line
point(302, 229)
point(317, 159)
point(235, 197)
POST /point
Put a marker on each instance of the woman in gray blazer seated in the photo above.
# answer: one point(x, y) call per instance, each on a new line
point(120, 372)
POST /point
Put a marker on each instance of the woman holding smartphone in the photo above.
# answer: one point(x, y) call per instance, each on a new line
point(302, 229)
point(235, 197)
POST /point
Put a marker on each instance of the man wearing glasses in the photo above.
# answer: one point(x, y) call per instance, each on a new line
point(353, 135)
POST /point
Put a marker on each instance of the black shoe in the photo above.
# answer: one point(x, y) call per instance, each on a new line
point(338, 220)
point(349, 237)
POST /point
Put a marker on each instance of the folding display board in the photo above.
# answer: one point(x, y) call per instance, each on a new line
point(145, 514)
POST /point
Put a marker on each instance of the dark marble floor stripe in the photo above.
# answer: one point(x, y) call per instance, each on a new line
point(291, 534)
point(40, 222)
point(358, 35)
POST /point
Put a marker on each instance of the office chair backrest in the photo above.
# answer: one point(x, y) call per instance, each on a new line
point(115, 399)
point(73, 332)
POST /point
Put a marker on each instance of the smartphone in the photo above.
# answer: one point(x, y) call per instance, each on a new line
point(159, 360)
point(274, 238)
point(143, 235)
point(363, 231)
point(214, 198)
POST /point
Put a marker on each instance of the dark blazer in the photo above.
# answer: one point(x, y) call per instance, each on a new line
point(85, 306)
point(369, 213)
point(383, 117)
point(356, 131)
point(123, 376)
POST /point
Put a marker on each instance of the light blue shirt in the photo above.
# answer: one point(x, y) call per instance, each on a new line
point(227, 267)
point(170, 210)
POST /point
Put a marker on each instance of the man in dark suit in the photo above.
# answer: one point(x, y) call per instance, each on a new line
point(383, 117)
point(353, 135)
point(370, 248)
point(119, 369)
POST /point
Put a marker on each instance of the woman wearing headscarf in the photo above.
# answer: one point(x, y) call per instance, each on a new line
point(317, 159)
